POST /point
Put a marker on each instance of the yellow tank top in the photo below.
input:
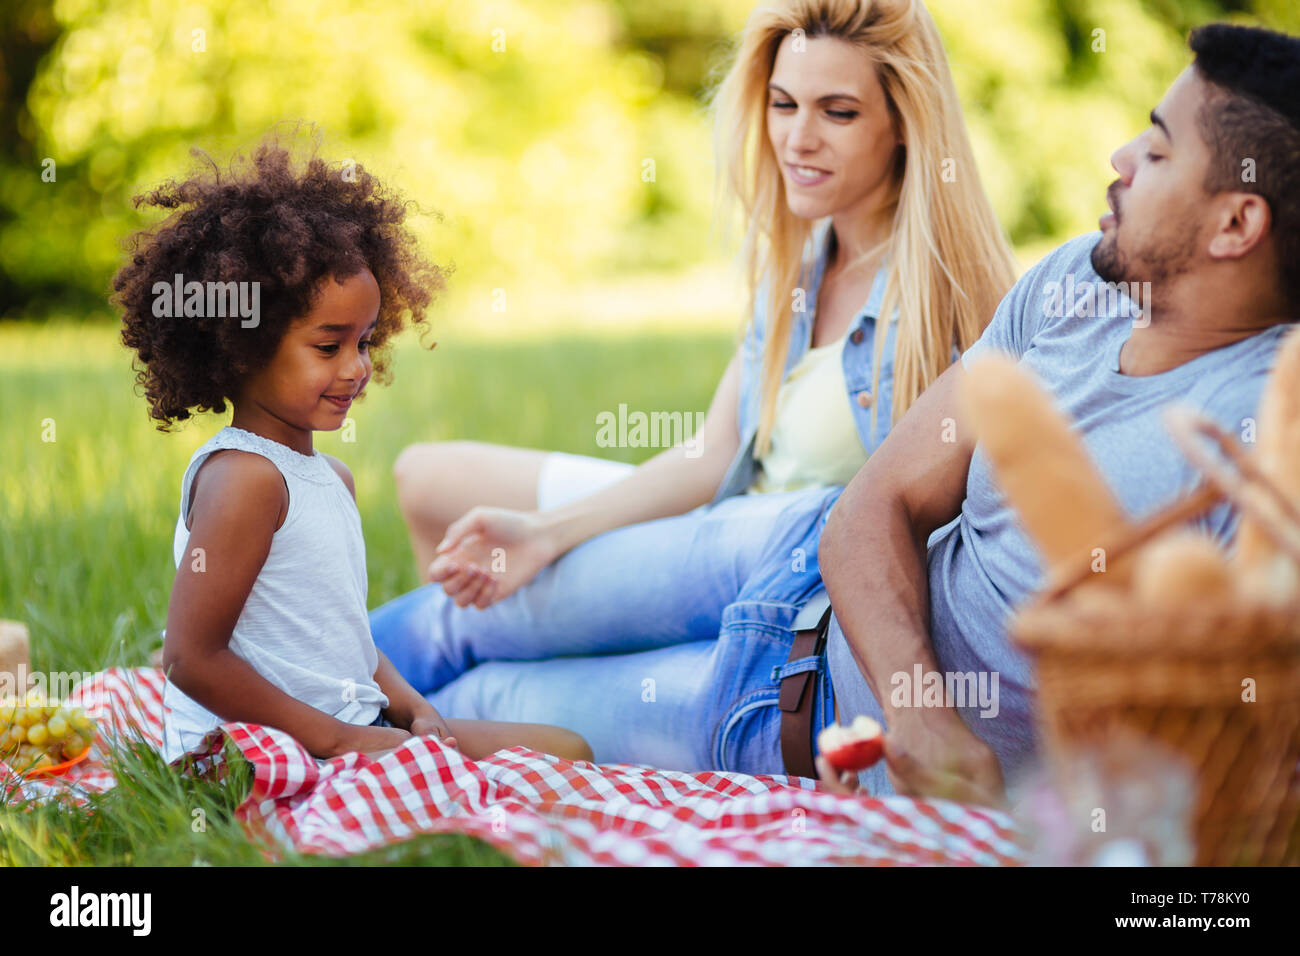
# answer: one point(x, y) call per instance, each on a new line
point(814, 442)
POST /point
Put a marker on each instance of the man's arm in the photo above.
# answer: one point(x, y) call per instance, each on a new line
point(873, 560)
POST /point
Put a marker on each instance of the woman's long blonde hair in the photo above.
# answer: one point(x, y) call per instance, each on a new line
point(950, 263)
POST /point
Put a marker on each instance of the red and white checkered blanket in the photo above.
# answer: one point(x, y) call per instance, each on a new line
point(536, 808)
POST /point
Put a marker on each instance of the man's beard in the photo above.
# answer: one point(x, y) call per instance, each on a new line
point(1163, 257)
point(1107, 261)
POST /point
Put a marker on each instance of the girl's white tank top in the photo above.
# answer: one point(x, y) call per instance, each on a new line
point(304, 626)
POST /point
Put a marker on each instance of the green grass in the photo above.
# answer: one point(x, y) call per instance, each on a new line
point(86, 525)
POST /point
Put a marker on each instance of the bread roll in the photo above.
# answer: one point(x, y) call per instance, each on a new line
point(1179, 568)
point(1042, 466)
point(15, 649)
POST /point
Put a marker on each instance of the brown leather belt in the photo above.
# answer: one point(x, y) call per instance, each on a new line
point(798, 691)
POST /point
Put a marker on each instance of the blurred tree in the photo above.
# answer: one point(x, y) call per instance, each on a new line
point(528, 124)
point(563, 139)
point(27, 32)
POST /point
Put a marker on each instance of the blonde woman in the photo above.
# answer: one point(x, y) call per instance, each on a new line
point(874, 258)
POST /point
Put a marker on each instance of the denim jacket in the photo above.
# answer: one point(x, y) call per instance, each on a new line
point(858, 353)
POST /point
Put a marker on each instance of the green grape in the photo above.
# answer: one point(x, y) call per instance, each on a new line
point(57, 726)
point(37, 734)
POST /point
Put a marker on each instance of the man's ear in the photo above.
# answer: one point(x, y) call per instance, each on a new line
point(1242, 220)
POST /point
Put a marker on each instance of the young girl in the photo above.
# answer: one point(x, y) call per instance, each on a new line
point(274, 288)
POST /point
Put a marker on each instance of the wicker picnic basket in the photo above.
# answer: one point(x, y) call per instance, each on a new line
point(1215, 683)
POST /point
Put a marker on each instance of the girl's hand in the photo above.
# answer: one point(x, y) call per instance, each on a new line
point(432, 723)
point(489, 553)
point(372, 741)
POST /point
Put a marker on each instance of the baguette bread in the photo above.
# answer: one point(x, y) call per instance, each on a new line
point(1043, 468)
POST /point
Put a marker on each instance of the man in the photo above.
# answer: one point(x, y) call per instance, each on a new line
point(922, 558)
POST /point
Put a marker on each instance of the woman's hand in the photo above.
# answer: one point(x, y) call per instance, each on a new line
point(490, 553)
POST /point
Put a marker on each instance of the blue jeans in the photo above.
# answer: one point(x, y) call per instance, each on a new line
point(707, 598)
point(636, 588)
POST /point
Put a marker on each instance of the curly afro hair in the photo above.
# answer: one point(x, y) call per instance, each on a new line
point(283, 224)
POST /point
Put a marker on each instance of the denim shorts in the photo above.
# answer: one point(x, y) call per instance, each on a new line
point(638, 588)
point(380, 721)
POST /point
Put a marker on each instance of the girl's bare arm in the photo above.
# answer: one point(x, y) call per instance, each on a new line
point(236, 510)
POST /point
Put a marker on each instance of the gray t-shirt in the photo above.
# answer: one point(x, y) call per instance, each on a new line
point(981, 565)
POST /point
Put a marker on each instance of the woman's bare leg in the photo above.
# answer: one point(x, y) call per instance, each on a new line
point(477, 739)
point(440, 481)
